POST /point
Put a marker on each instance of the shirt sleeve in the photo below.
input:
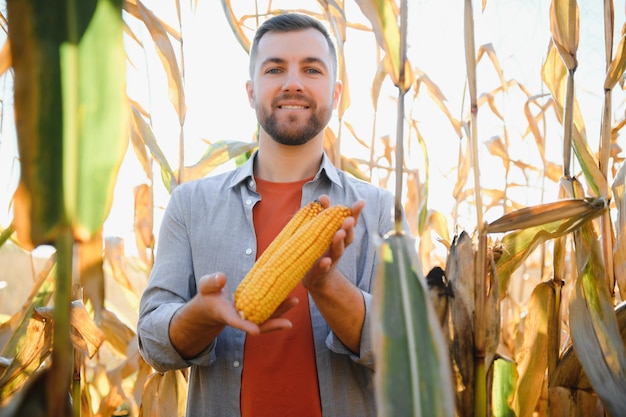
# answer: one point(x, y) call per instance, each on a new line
point(171, 285)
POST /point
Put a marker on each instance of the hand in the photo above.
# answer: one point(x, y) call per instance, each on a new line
point(221, 310)
point(196, 324)
point(322, 269)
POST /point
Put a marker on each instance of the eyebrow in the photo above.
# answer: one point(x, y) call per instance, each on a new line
point(307, 60)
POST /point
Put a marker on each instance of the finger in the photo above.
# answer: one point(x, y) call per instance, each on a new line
point(324, 200)
point(324, 265)
point(285, 306)
point(272, 325)
point(210, 284)
point(348, 228)
point(244, 325)
point(356, 210)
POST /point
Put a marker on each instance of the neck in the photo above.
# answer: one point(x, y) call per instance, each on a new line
point(281, 163)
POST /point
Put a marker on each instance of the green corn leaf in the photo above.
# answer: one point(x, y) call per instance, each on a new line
point(70, 105)
point(95, 127)
point(413, 376)
point(5, 234)
point(503, 383)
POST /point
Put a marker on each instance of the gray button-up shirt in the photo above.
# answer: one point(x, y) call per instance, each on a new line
point(207, 228)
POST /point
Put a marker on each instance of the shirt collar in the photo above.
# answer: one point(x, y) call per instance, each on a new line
point(246, 171)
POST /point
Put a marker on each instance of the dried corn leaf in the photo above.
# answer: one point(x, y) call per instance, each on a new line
point(617, 66)
point(593, 325)
point(491, 53)
point(464, 166)
point(235, 25)
point(619, 248)
point(569, 372)
point(554, 75)
point(34, 349)
point(86, 335)
point(113, 399)
point(5, 57)
point(565, 402)
point(533, 122)
point(460, 274)
point(564, 22)
point(90, 271)
point(117, 334)
point(147, 136)
point(114, 256)
point(379, 78)
point(144, 372)
point(532, 360)
point(138, 130)
point(165, 395)
point(337, 21)
point(217, 154)
point(144, 221)
point(165, 52)
point(40, 294)
point(517, 246)
point(383, 15)
point(561, 210)
point(132, 8)
point(437, 96)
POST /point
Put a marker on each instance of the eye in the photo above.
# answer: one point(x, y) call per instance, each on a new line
point(313, 71)
point(273, 71)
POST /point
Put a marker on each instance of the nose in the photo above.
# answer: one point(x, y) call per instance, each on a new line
point(293, 82)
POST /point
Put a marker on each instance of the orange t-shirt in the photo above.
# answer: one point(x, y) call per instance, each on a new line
point(279, 370)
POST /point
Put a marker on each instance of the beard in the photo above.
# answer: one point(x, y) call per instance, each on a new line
point(293, 131)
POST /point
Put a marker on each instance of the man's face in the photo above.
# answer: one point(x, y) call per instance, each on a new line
point(293, 89)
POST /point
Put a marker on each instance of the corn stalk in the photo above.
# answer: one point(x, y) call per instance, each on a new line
point(412, 379)
point(480, 271)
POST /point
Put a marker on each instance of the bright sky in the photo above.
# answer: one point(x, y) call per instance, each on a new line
point(216, 70)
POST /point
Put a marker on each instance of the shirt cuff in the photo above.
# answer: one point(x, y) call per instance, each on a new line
point(157, 348)
point(366, 355)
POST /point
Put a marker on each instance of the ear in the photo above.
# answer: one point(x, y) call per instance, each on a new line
point(250, 91)
point(337, 93)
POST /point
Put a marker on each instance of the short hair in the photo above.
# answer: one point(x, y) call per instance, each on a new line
point(291, 22)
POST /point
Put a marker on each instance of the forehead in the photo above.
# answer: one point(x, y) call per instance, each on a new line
point(294, 45)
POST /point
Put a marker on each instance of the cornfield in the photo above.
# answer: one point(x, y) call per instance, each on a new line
point(516, 208)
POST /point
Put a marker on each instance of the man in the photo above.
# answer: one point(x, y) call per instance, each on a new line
point(313, 357)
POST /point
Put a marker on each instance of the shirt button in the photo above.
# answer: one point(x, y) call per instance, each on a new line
point(251, 183)
point(236, 364)
point(248, 202)
point(248, 251)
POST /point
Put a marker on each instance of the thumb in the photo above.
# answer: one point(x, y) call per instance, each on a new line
point(213, 283)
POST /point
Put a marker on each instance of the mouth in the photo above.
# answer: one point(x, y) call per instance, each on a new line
point(292, 107)
point(292, 103)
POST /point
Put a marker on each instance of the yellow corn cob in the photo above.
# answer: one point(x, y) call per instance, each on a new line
point(302, 216)
point(271, 282)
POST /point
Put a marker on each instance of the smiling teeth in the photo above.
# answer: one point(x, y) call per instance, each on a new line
point(293, 107)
